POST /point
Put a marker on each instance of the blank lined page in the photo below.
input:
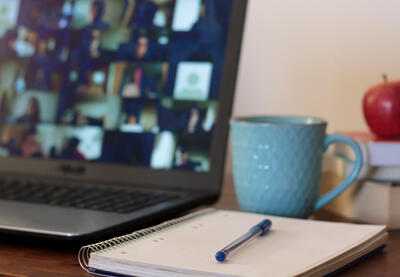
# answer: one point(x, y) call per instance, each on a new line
point(290, 248)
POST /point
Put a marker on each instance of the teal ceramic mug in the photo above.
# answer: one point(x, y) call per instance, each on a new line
point(277, 164)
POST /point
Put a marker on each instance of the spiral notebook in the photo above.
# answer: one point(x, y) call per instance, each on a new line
point(186, 247)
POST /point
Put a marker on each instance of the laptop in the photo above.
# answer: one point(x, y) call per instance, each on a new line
point(113, 113)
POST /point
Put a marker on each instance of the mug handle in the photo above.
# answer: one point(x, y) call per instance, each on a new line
point(328, 197)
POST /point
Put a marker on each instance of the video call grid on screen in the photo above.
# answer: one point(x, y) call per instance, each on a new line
point(131, 82)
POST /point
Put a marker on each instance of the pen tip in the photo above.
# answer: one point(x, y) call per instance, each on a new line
point(220, 256)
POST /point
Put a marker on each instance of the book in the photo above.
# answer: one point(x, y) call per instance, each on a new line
point(376, 151)
point(371, 173)
point(375, 202)
point(186, 247)
point(374, 198)
point(366, 201)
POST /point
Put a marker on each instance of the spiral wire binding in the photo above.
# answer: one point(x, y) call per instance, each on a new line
point(97, 248)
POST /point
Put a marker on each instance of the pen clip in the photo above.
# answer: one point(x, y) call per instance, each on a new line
point(264, 226)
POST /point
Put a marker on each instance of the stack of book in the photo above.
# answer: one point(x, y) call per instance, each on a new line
point(375, 197)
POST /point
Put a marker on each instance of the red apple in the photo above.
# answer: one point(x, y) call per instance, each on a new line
point(382, 108)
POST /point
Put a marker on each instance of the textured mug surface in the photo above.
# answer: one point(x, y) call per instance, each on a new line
point(277, 164)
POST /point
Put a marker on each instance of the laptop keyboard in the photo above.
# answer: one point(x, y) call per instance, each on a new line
point(73, 196)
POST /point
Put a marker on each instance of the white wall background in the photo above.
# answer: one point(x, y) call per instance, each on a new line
point(317, 57)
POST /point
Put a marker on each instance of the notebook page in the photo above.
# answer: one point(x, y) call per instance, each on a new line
point(292, 246)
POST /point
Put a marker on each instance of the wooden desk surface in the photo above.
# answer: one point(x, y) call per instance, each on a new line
point(17, 260)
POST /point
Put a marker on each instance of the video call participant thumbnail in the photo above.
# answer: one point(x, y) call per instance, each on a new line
point(127, 148)
point(33, 108)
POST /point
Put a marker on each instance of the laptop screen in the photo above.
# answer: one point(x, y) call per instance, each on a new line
point(132, 82)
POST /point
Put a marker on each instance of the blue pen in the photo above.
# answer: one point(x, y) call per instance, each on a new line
point(259, 230)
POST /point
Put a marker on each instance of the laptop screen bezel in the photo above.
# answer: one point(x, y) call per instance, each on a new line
point(133, 175)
